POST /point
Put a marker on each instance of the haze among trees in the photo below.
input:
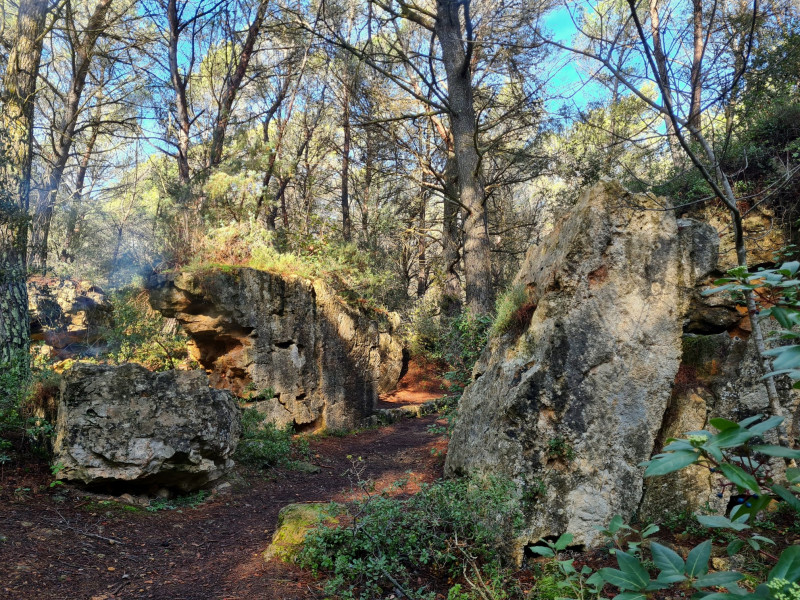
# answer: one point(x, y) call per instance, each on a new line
point(410, 152)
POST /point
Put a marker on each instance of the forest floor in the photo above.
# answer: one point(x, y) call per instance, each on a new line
point(62, 543)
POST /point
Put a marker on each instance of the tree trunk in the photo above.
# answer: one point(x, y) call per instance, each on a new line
point(663, 74)
point(346, 222)
point(422, 247)
point(73, 217)
point(463, 124)
point(83, 51)
point(233, 84)
point(697, 63)
point(181, 102)
point(19, 89)
point(451, 244)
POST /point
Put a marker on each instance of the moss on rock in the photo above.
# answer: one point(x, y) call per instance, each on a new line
point(294, 522)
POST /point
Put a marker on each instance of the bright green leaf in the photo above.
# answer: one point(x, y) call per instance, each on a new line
point(697, 561)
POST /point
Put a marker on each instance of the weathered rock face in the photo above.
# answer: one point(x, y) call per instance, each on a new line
point(67, 315)
point(719, 376)
point(324, 361)
point(569, 408)
point(129, 427)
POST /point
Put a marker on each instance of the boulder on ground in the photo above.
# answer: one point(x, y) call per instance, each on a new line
point(127, 427)
point(572, 405)
point(294, 346)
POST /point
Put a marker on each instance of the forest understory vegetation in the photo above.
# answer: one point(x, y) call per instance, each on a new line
point(408, 154)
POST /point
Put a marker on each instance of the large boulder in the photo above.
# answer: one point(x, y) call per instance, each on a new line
point(127, 427)
point(308, 357)
point(69, 316)
point(571, 406)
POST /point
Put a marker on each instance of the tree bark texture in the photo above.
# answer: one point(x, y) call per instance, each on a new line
point(464, 127)
point(19, 89)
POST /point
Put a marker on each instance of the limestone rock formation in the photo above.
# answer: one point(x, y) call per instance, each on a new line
point(570, 407)
point(325, 362)
point(127, 427)
point(67, 315)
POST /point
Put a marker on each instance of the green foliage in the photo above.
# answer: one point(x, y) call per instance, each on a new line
point(565, 580)
point(264, 445)
point(23, 385)
point(561, 449)
point(734, 453)
point(179, 502)
point(461, 343)
point(140, 334)
point(513, 311)
point(779, 289)
point(15, 379)
point(449, 527)
point(360, 277)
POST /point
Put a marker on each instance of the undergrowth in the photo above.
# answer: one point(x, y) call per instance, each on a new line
point(263, 444)
point(451, 529)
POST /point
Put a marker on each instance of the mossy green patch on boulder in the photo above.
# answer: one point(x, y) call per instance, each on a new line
point(294, 522)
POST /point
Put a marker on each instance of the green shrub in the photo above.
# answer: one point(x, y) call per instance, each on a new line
point(462, 342)
point(263, 444)
point(448, 528)
point(514, 310)
point(26, 388)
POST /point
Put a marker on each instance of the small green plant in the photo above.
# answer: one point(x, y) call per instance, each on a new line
point(514, 310)
point(560, 449)
point(178, 503)
point(624, 537)
point(263, 444)
point(54, 471)
point(569, 581)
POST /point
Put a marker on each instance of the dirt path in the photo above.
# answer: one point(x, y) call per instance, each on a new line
point(78, 548)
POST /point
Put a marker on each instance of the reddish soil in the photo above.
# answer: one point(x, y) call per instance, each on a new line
point(60, 543)
point(421, 382)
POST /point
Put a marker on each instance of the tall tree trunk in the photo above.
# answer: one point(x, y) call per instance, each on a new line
point(463, 124)
point(451, 243)
point(346, 222)
point(179, 83)
point(73, 217)
point(696, 75)
point(83, 51)
point(19, 89)
point(422, 246)
point(663, 74)
point(234, 82)
point(369, 169)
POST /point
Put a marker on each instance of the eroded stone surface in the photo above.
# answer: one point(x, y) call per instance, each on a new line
point(325, 362)
point(719, 376)
point(129, 427)
point(67, 315)
point(570, 407)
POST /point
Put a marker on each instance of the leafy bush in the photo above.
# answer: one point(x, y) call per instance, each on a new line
point(462, 342)
point(449, 528)
point(263, 444)
point(26, 388)
point(359, 276)
point(737, 454)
